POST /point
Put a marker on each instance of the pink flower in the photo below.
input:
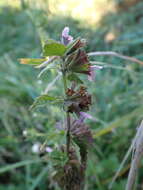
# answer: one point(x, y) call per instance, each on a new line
point(82, 134)
point(84, 116)
point(92, 68)
point(48, 149)
point(66, 38)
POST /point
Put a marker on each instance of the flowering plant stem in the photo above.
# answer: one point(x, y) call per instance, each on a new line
point(68, 138)
point(69, 58)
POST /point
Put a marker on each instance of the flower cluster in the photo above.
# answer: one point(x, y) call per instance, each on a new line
point(76, 59)
point(70, 60)
point(78, 100)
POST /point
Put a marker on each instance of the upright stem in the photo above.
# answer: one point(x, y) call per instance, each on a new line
point(68, 137)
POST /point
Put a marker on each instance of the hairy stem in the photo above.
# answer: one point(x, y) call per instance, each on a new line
point(68, 136)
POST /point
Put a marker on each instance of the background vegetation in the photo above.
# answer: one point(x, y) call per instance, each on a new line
point(115, 25)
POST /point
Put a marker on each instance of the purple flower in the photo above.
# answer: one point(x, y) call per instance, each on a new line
point(81, 132)
point(66, 38)
point(48, 149)
point(92, 68)
point(84, 116)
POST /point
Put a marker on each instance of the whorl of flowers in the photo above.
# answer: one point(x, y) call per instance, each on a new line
point(71, 60)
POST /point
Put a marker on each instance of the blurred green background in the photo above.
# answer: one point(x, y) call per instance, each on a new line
point(108, 25)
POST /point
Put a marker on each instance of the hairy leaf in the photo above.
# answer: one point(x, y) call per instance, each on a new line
point(59, 157)
point(43, 99)
point(53, 48)
point(29, 61)
point(74, 77)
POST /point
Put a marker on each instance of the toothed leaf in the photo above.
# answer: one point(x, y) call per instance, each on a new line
point(53, 48)
point(74, 77)
point(44, 99)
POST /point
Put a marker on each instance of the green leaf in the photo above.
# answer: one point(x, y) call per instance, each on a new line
point(29, 61)
point(39, 178)
point(74, 77)
point(43, 99)
point(58, 157)
point(17, 165)
point(53, 48)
